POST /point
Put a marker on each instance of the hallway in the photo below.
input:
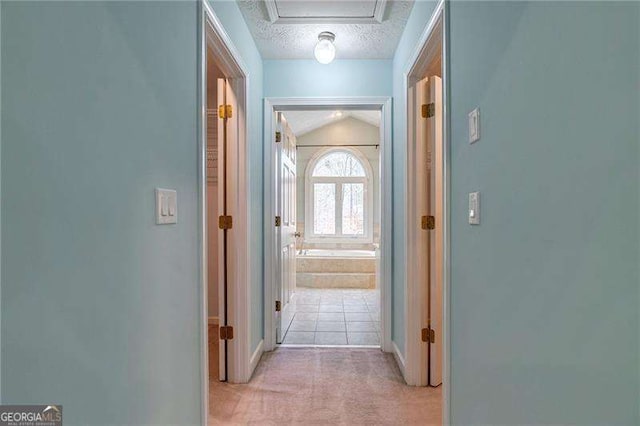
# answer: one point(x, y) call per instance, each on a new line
point(492, 147)
point(324, 386)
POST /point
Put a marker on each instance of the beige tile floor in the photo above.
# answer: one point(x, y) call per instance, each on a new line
point(334, 317)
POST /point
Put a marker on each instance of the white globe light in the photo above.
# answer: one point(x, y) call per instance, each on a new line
point(325, 51)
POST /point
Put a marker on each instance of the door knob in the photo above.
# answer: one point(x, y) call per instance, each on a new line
point(297, 234)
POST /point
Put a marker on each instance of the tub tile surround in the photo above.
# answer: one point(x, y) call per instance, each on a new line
point(345, 317)
point(336, 269)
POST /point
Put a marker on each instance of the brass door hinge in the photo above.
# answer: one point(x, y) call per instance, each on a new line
point(225, 222)
point(225, 111)
point(226, 332)
point(428, 110)
point(278, 137)
point(278, 221)
point(428, 222)
point(428, 335)
point(278, 306)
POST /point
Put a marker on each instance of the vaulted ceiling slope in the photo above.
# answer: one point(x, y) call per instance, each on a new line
point(303, 122)
point(288, 29)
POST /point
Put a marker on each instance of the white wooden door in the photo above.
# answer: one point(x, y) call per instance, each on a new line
point(436, 236)
point(429, 171)
point(227, 140)
point(285, 224)
point(422, 167)
point(213, 254)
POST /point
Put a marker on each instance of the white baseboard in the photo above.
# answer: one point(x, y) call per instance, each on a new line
point(255, 358)
point(214, 321)
point(400, 360)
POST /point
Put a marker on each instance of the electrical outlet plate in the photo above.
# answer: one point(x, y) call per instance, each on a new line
point(166, 206)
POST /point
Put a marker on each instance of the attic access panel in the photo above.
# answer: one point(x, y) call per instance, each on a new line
point(318, 11)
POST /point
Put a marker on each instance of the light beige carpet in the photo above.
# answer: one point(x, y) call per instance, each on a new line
point(324, 386)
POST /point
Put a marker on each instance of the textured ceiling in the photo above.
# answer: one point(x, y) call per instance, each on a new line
point(353, 41)
point(302, 122)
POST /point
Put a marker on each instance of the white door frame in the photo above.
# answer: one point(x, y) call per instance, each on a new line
point(415, 67)
point(213, 36)
point(272, 105)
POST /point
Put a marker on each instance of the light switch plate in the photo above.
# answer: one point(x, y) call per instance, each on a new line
point(474, 125)
point(166, 206)
point(474, 208)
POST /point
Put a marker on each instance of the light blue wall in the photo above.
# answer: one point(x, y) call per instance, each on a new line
point(100, 307)
point(545, 292)
point(0, 205)
point(308, 78)
point(416, 24)
point(234, 24)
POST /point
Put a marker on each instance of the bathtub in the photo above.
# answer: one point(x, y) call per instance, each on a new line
point(336, 253)
point(336, 268)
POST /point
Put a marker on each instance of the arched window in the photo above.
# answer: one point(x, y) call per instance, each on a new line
point(338, 201)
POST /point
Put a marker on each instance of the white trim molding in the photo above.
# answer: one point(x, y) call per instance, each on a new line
point(255, 357)
point(437, 23)
point(202, 214)
point(272, 105)
point(446, 220)
point(214, 38)
point(376, 18)
point(399, 359)
point(230, 62)
point(415, 303)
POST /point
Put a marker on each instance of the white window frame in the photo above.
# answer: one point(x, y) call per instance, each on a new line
point(310, 180)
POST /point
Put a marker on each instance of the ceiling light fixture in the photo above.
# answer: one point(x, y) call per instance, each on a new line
point(325, 50)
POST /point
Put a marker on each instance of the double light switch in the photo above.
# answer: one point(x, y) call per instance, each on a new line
point(474, 197)
point(166, 206)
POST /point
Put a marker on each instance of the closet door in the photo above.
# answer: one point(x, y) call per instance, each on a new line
point(436, 236)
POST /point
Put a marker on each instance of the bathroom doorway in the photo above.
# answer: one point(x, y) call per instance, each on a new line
point(337, 229)
point(327, 250)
